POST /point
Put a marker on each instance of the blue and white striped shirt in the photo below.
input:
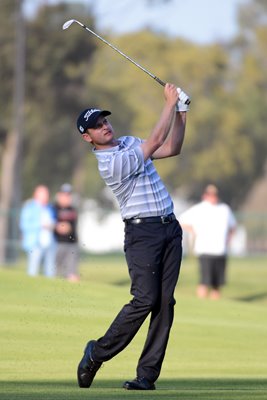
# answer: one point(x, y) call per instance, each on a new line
point(135, 183)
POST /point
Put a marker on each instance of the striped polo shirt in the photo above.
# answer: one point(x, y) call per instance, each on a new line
point(135, 183)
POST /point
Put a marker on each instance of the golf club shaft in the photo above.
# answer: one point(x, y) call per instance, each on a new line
point(183, 96)
point(120, 52)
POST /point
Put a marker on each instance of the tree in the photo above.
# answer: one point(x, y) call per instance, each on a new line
point(11, 160)
point(57, 64)
point(68, 71)
point(201, 70)
point(249, 58)
point(55, 73)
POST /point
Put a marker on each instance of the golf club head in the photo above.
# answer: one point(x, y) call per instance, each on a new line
point(68, 23)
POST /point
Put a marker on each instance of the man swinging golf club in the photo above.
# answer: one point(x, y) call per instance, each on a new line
point(153, 236)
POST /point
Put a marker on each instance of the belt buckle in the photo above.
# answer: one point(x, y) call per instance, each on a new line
point(137, 220)
point(165, 219)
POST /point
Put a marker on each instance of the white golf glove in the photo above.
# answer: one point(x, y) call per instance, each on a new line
point(184, 101)
point(181, 107)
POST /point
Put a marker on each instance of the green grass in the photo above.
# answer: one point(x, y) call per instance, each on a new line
point(217, 350)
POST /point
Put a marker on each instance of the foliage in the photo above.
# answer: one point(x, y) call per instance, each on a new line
point(68, 71)
point(7, 45)
point(56, 66)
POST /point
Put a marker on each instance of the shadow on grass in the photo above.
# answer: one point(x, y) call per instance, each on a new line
point(122, 282)
point(252, 297)
point(200, 389)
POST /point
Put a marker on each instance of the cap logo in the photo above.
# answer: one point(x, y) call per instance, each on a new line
point(88, 114)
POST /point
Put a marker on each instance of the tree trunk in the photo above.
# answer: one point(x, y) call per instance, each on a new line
point(10, 194)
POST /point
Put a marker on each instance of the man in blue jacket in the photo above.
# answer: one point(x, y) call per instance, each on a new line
point(37, 223)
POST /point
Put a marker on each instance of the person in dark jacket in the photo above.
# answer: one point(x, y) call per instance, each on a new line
point(67, 255)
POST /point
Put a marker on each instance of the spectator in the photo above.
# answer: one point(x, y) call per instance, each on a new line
point(211, 223)
point(67, 256)
point(37, 224)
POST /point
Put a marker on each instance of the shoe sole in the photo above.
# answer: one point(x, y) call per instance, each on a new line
point(127, 386)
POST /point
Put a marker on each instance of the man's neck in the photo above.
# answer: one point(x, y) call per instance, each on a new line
point(113, 143)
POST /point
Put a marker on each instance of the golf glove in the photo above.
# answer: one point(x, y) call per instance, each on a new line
point(180, 107)
point(183, 97)
point(184, 101)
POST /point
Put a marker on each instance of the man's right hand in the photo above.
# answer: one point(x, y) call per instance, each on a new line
point(171, 94)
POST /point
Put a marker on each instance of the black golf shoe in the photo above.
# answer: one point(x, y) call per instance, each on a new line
point(87, 367)
point(139, 384)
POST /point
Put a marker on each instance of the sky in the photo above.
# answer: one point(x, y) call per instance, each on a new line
point(200, 21)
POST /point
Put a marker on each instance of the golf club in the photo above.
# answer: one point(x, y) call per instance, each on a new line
point(185, 99)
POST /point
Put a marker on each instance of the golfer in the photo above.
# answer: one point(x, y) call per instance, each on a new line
point(153, 236)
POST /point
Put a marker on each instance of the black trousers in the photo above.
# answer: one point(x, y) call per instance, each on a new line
point(153, 252)
point(212, 270)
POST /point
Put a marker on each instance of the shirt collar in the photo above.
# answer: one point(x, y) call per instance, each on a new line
point(119, 147)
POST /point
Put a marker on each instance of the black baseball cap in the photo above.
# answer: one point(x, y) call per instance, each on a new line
point(88, 118)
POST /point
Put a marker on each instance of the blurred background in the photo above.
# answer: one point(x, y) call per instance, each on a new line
point(216, 53)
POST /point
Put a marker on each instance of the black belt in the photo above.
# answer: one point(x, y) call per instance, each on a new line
point(163, 219)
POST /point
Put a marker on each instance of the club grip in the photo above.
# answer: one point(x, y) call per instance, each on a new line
point(159, 81)
point(184, 98)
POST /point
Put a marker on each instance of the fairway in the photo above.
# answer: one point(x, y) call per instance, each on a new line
point(217, 349)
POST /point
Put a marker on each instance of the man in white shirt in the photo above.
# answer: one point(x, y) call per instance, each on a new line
point(212, 224)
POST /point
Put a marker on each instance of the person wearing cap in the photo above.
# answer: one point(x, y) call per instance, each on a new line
point(153, 236)
point(212, 224)
point(67, 255)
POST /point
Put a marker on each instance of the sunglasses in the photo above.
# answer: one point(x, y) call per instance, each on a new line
point(100, 124)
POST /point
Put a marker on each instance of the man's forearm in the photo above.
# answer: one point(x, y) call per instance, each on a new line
point(173, 144)
point(160, 132)
point(162, 128)
point(177, 133)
